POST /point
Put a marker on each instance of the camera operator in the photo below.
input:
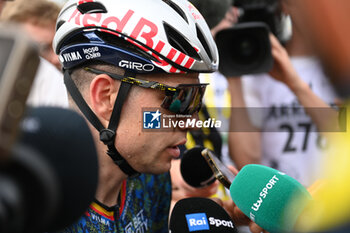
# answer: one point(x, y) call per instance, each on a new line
point(289, 141)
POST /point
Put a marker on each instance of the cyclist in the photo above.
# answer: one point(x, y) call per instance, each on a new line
point(118, 58)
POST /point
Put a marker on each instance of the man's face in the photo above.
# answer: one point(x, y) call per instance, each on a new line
point(150, 152)
point(43, 35)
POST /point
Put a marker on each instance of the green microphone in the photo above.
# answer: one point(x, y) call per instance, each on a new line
point(270, 198)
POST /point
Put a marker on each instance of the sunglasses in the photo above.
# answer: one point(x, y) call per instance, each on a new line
point(183, 99)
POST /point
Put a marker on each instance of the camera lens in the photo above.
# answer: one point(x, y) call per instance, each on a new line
point(247, 48)
point(244, 49)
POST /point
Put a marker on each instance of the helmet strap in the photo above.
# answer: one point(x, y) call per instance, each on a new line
point(107, 136)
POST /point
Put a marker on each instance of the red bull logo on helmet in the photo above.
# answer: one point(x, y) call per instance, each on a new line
point(143, 30)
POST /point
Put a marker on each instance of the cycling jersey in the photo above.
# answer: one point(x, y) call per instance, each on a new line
point(144, 207)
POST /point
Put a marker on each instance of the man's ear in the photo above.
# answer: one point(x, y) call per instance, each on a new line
point(103, 92)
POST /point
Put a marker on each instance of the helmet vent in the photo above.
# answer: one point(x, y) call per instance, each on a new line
point(92, 7)
point(179, 42)
point(59, 24)
point(177, 9)
point(204, 42)
point(122, 43)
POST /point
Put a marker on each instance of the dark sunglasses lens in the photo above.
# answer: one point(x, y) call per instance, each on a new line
point(187, 100)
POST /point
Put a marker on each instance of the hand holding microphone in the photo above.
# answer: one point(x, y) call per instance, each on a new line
point(197, 173)
point(268, 197)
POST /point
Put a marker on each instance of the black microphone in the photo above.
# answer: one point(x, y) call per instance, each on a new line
point(201, 167)
point(51, 176)
point(200, 215)
point(194, 169)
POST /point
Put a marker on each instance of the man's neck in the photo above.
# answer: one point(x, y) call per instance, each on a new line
point(110, 182)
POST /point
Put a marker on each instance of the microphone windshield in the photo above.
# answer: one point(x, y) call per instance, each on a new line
point(268, 197)
point(200, 215)
point(65, 143)
point(194, 168)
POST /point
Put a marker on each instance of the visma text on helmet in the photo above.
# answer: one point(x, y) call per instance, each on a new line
point(191, 123)
point(75, 56)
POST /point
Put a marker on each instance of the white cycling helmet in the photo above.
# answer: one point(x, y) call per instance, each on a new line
point(141, 36)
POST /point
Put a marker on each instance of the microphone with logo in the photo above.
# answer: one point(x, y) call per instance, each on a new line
point(51, 176)
point(200, 215)
point(268, 197)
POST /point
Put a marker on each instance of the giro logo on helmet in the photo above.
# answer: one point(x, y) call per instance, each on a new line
point(136, 66)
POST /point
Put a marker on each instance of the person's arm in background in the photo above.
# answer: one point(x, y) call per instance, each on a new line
point(244, 139)
point(283, 71)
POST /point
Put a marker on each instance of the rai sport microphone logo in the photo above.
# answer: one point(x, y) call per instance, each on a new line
point(197, 222)
point(151, 120)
